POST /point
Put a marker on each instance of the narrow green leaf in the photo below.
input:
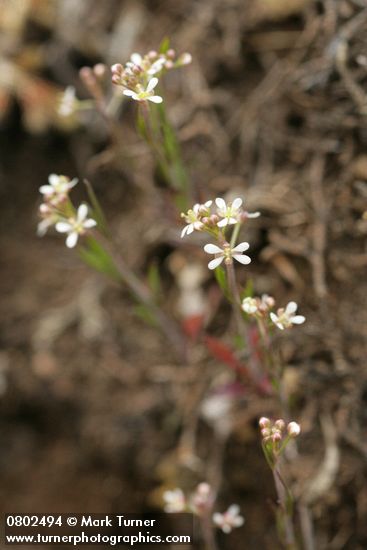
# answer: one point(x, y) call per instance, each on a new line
point(95, 256)
point(154, 279)
point(97, 211)
point(145, 314)
point(164, 45)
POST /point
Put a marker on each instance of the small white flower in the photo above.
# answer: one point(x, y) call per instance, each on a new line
point(285, 318)
point(58, 186)
point(228, 212)
point(157, 66)
point(293, 429)
point(175, 501)
point(136, 59)
point(202, 498)
point(147, 94)
point(193, 217)
point(250, 305)
point(227, 253)
point(68, 102)
point(229, 520)
point(76, 226)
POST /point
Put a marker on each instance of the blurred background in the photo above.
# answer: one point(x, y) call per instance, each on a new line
point(273, 107)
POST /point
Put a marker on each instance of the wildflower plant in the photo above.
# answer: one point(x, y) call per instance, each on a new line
point(275, 438)
point(84, 226)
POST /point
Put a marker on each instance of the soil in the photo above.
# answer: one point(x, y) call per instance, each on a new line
point(96, 412)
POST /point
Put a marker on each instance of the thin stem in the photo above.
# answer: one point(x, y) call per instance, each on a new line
point(284, 496)
point(241, 328)
point(143, 295)
point(208, 531)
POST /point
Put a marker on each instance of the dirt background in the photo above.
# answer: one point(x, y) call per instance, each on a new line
point(96, 413)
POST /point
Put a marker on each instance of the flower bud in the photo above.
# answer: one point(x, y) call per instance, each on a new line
point(264, 422)
point(152, 55)
point(171, 54)
point(117, 68)
point(293, 429)
point(277, 436)
point(169, 64)
point(279, 424)
point(100, 70)
point(265, 432)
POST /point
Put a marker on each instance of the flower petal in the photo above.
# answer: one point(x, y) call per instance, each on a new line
point(253, 214)
point(63, 227)
point(90, 223)
point(73, 182)
point(129, 93)
point(155, 98)
point(136, 58)
point(241, 247)
point(53, 179)
point(214, 263)
point(72, 239)
point(242, 258)
point(82, 212)
point(218, 518)
point(46, 190)
point(223, 223)
point(298, 319)
point(208, 204)
point(237, 203)
point(212, 249)
point(152, 84)
point(221, 203)
point(291, 308)
point(233, 510)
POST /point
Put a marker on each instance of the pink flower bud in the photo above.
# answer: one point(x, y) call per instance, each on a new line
point(171, 54)
point(264, 422)
point(117, 68)
point(293, 429)
point(279, 424)
point(276, 437)
point(265, 432)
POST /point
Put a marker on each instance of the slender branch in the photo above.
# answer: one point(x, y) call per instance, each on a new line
point(142, 293)
point(241, 327)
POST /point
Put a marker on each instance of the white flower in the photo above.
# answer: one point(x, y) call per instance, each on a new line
point(227, 253)
point(230, 519)
point(175, 501)
point(147, 94)
point(285, 318)
point(250, 305)
point(157, 66)
point(58, 186)
point(193, 218)
point(293, 429)
point(76, 226)
point(229, 212)
point(136, 59)
point(202, 498)
point(68, 102)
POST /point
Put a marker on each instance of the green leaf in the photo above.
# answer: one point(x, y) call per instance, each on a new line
point(95, 256)
point(164, 45)
point(97, 211)
point(248, 291)
point(154, 279)
point(221, 276)
point(145, 314)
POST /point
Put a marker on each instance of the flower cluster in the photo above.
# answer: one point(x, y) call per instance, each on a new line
point(283, 318)
point(58, 211)
point(276, 436)
point(138, 77)
point(201, 217)
point(200, 503)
